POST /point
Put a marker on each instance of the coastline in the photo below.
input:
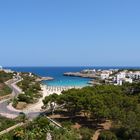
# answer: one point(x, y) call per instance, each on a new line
point(37, 107)
point(44, 79)
point(55, 75)
point(79, 74)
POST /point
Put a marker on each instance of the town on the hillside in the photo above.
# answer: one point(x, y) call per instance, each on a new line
point(110, 76)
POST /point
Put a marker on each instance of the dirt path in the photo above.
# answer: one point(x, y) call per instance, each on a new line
point(105, 126)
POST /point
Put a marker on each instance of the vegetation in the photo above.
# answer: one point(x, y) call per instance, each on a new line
point(39, 129)
point(6, 123)
point(4, 89)
point(120, 104)
point(5, 76)
point(86, 133)
point(107, 135)
point(31, 89)
point(89, 106)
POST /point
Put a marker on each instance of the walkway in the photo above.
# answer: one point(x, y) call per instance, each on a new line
point(11, 128)
point(105, 126)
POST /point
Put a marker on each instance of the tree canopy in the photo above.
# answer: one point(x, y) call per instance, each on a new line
point(117, 103)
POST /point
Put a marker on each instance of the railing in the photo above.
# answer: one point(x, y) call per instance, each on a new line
point(54, 122)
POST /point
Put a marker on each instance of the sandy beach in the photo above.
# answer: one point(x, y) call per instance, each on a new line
point(46, 91)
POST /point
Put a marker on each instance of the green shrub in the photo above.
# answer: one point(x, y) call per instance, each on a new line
point(86, 133)
point(24, 98)
point(15, 102)
point(107, 135)
point(67, 124)
point(6, 123)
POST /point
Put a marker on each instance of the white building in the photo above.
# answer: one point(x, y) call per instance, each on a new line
point(129, 80)
point(31, 75)
point(120, 82)
point(104, 76)
point(120, 78)
point(134, 75)
point(107, 71)
point(121, 75)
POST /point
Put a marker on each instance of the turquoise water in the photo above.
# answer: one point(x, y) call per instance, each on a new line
point(57, 74)
point(69, 81)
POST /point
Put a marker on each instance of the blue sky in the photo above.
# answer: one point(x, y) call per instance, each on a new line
point(70, 32)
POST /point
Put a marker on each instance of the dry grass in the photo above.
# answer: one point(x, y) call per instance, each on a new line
point(21, 105)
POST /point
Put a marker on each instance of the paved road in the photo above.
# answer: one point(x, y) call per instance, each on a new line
point(4, 111)
point(12, 84)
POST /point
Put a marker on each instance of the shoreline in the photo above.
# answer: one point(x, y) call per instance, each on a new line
point(44, 79)
point(36, 107)
point(79, 74)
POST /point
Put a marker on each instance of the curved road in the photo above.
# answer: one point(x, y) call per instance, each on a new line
point(4, 111)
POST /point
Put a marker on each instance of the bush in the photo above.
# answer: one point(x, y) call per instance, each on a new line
point(42, 122)
point(61, 134)
point(15, 102)
point(86, 133)
point(6, 123)
point(4, 89)
point(67, 124)
point(128, 133)
point(107, 135)
point(24, 98)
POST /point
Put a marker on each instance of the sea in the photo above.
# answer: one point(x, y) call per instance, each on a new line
point(57, 74)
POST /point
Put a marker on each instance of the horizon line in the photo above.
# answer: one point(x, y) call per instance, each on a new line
point(72, 66)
